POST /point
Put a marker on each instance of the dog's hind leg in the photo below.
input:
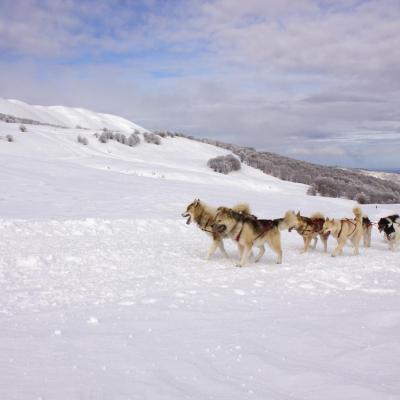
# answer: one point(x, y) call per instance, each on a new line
point(356, 242)
point(212, 249)
point(222, 248)
point(314, 246)
point(245, 255)
point(367, 238)
point(307, 241)
point(240, 248)
point(260, 254)
point(324, 240)
point(275, 244)
point(339, 247)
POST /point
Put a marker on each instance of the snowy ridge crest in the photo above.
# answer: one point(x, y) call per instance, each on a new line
point(67, 116)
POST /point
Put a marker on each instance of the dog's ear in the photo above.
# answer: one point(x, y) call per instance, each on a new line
point(298, 213)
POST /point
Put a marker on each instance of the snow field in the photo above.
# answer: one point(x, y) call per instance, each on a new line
point(54, 264)
point(129, 309)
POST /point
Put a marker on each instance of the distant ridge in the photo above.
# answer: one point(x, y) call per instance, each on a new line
point(67, 116)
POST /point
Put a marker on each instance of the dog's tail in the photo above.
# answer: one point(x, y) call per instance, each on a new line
point(317, 215)
point(243, 208)
point(288, 221)
point(358, 214)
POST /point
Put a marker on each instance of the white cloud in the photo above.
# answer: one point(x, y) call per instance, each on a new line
point(257, 72)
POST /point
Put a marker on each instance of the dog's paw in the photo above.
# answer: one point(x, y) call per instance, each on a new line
point(333, 255)
point(238, 266)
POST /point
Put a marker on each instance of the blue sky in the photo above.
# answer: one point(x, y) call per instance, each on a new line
point(316, 80)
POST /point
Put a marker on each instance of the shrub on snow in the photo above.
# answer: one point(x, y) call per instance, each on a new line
point(103, 138)
point(23, 128)
point(133, 140)
point(362, 198)
point(224, 164)
point(82, 139)
point(151, 138)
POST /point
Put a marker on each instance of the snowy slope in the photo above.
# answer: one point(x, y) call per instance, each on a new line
point(105, 293)
point(391, 176)
point(67, 116)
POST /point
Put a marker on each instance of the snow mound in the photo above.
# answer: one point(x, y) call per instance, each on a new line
point(67, 116)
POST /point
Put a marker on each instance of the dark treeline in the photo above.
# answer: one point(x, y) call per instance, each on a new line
point(323, 180)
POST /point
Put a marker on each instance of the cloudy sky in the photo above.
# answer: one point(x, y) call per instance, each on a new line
point(315, 80)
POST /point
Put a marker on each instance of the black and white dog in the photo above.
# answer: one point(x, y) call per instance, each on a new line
point(391, 227)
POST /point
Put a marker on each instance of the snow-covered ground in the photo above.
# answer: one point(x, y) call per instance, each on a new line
point(105, 292)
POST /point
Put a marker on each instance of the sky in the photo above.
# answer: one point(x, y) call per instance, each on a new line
point(314, 80)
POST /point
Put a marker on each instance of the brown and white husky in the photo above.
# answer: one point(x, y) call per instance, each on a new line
point(345, 229)
point(203, 215)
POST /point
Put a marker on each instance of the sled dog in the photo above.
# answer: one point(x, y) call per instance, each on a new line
point(345, 229)
point(390, 225)
point(367, 230)
point(248, 231)
point(310, 228)
point(203, 215)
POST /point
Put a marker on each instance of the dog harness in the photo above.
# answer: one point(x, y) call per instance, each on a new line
point(317, 224)
point(341, 226)
point(239, 234)
point(266, 224)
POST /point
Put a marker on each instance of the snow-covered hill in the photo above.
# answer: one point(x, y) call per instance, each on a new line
point(67, 116)
point(105, 293)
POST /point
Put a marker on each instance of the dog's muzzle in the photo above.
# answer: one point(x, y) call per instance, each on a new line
point(189, 218)
point(220, 228)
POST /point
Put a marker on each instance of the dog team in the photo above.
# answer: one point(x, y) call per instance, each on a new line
point(248, 231)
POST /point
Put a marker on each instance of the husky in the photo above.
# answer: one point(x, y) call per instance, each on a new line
point(310, 228)
point(248, 231)
point(390, 225)
point(203, 215)
point(367, 230)
point(345, 229)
